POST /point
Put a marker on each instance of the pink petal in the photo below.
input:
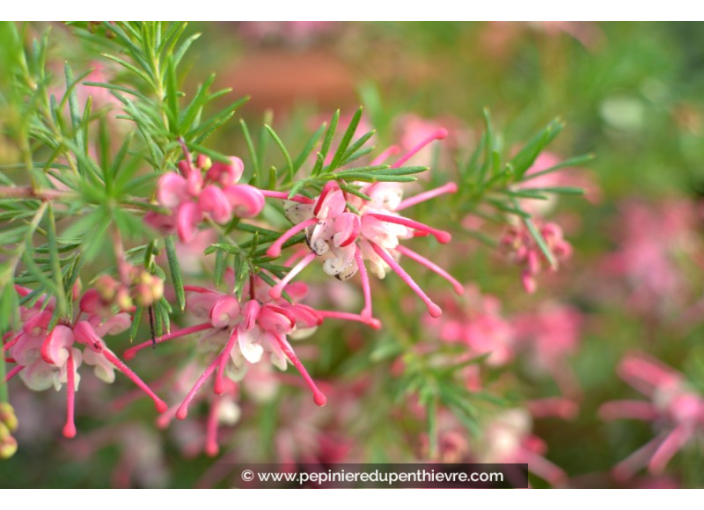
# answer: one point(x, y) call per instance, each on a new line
point(187, 218)
point(347, 227)
point(225, 312)
point(115, 325)
point(201, 304)
point(171, 190)
point(247, 201)
point(85, 334)
point(212, 200)
point(276, 319)
point(55, 349)
point(224, 173)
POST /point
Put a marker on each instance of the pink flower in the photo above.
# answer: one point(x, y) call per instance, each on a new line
point(191, 197)
point(678, 409)
point(520, 246)
point(51, 357)
point(344, 231)
point(647, 257)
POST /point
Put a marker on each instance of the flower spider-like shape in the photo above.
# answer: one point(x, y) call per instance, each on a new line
point(51, 357)
point(191, 196)
point(676, 409)
point(244, 332)
point(345, 230)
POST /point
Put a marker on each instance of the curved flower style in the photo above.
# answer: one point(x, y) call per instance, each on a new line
point(518, 243)
point(676, 409)
point(242, 333)
point(345, 230)
point(191, 196)
point(51, 357)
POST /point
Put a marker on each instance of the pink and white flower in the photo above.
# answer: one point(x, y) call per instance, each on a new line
point(48, 358)
point(345, 231)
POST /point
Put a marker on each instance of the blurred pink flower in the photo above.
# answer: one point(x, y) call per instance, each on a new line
point(676, 409)
point(651, 237)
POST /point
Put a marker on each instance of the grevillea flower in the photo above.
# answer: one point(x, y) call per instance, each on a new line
point(246, 332)
point(191, 196)
point(520, 246)
point(345, 230)
point(51, 357)
point(676, 410)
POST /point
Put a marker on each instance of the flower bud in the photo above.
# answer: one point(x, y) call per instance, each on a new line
point(7, 416)
point(8, 447)
point(203, 162)
point(107, 287)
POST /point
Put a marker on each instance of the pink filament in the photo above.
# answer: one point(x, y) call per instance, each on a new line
point(391, 151)
point(219, 387)
point(345, 316)
point(366, 289)
point(132, 351)
point(211, 428)
point(158, 403)
point(284, 196)
point(633, 409)
point(12, 373)
point(12, 342)
point(437, 135)
point(318, 397)
point(275, 249)
point(183, 408)
point(276, 291)
point(450, 187)
point(70, 427)
point(459, 289)
point(442, 236)
point(668, 448)
point(434, 309)
point(543, 467)
point(627, 467)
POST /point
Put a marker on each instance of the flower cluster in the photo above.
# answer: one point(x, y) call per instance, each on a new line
point(48, 355)
point(245, 332)
point(191, 196)
point(345, 231)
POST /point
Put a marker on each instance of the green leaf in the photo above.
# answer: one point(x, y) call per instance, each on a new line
point(282, 147)
point(525, 158)
point(346, 139)
point(175, 269)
